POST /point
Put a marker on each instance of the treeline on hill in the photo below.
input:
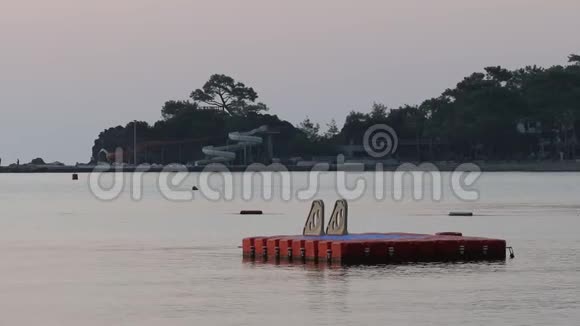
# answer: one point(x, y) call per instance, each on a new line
point(498, 114)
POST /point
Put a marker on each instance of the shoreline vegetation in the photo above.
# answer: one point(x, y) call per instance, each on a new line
point(498, 115)
point(501, 120)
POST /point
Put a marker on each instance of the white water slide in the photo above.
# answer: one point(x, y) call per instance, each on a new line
point(228, 153)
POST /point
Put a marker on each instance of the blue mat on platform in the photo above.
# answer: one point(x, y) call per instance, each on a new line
point(369, 236)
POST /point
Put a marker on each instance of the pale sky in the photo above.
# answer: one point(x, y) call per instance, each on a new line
point(71, 68)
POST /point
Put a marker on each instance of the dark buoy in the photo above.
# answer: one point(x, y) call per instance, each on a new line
point(194, 188)
point(75, 176)
point(456, 234)
point(251, 212)
point(460, 213)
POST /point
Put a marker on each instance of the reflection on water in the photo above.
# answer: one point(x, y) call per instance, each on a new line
point(68, 259)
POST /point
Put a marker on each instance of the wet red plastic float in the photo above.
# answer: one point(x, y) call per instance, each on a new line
point(337, 246)
point(375, 248)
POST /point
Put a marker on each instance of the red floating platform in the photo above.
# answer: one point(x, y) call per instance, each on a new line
point(375, 248)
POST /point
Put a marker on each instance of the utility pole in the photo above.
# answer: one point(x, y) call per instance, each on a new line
point(135, 142)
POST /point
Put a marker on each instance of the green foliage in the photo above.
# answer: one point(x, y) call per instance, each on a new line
point(172, 109)
point(232, 97)
point(476, 119)
point(310, 129)
point(332, 130)
point(186, 126)
point(37, 161)
point(378, 112)
point(574, 58)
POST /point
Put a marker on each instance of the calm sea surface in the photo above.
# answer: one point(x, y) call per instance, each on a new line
point(67, 258)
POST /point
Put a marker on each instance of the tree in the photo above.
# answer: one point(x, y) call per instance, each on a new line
point(494, 114)
point(174, 108)
point(498, 73)
point(310, 129)
point(225, 93)
point(574, 58)
point(553, 97)
point(37, 161)
point(255, 109)
point(332, 130)
point(354, 127)
point(378, 112)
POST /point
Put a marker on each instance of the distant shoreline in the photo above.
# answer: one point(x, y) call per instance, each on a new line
point(564, 166)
